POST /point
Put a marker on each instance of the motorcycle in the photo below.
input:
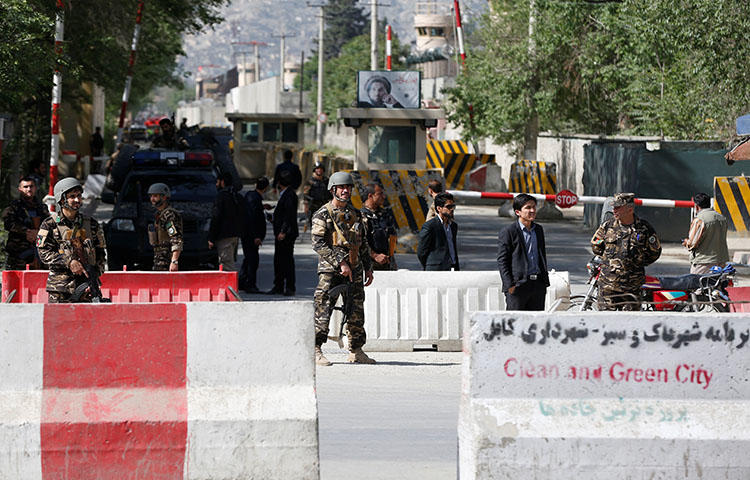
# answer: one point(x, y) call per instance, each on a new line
point(684, 293)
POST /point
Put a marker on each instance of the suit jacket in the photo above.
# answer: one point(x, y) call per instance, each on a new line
point(255, 220)
point(433, 250)
point(227, 215)
point(512, 261)
point(285, 215)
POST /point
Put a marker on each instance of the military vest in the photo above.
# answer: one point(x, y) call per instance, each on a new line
point(75, 240)
point(713, 245)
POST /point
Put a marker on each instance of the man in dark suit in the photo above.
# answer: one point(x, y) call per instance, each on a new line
point(437, 239)
point(252, 236)
point(295, 175)
point(522, 258)
point(285, 231)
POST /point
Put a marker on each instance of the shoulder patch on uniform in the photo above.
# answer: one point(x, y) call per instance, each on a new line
point(41, 237)
point(652, 239)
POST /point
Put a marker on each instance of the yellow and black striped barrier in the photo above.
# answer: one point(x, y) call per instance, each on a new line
point(531, 176)
point(454, 158)
point(405, 191)
point(732, 199)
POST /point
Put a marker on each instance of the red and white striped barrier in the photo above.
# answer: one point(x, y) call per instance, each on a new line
point(129, 78)
point(30, 286)
point(56, 97)
point(388, 62)
point(459, 32)
point(167, 391)
point(566, 199)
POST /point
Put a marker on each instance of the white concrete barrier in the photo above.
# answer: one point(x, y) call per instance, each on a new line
point(606, 395)
point(407, 309)
point(193, 391)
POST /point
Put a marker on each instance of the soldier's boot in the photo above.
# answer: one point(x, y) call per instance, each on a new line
point(358, 356)
point(321, 359)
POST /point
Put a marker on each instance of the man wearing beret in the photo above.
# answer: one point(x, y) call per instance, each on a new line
point(626, 244)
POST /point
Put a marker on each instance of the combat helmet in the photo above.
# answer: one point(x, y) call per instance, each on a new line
point(319, 165)
point(64, 186)
point(340, 178)
point(159, 189)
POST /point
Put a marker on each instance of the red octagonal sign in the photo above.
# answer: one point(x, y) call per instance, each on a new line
point(566, 199)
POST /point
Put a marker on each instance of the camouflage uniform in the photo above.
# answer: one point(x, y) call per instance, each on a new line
point(59, 242)
point(166, 237)
point(333, 250)
point(625, 250)
point(380, 226)
point(19, 217)
point(315, 193)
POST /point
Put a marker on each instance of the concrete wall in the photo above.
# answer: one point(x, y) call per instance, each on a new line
point(567, 153)
point(258, 97)
point(606, 395)
point(204, 112)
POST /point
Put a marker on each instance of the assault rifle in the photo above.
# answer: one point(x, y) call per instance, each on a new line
point(90, 288)
point(346, 292)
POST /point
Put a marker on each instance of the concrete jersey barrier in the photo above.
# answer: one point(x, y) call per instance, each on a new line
point(606, 395)
point(168, 391)
point(29, 286)
point(407, 309)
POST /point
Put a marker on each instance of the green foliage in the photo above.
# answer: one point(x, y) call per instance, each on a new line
point(344, 20)
point(644, 67)
point(340, 73)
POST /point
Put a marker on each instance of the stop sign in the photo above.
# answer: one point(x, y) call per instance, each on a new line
point(565, 199)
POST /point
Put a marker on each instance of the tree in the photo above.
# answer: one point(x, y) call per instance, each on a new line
point(344, 20)
point(96, 49)
point(341, 72)
point(606, 68)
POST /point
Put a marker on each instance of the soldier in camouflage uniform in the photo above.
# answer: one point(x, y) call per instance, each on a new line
point(627, 244)
point(22, 219)
point(315, 192)
point(380, 228)
point(165, 235)
point(338, 238)
point(69, 242)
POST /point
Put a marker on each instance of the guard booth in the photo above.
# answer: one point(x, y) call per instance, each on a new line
point(391, 149)
point(390, 139)
point(261, 138)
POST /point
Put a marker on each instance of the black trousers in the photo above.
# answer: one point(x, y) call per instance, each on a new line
point(249, 269)
point(528, 296)
point(283, 265)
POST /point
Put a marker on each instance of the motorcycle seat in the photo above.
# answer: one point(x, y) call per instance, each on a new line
point(684, 283)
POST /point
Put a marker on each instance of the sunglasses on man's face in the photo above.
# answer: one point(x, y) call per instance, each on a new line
point(449, 207)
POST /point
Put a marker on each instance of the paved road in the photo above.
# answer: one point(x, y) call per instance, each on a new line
point(397, 419)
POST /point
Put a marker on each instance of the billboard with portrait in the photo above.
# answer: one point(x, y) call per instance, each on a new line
point(383, 89)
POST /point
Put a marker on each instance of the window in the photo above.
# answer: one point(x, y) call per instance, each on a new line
point(250, 132)
point(436, 32)
point(390, 145)
point(289, 132)
point(422, 31)
point(271, 132)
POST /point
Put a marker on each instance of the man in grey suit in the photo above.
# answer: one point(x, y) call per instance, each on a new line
point(437, 239)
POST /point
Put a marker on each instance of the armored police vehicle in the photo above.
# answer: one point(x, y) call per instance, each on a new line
point(191, 176)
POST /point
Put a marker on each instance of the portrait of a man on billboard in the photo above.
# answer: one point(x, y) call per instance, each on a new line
point(383, 89)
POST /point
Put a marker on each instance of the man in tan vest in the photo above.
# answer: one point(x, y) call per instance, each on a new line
point(707, 238)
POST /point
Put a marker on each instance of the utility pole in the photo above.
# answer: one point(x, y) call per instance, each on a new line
point(320, 118)
point(374, 32)
point(255, 44)
point(282, 55)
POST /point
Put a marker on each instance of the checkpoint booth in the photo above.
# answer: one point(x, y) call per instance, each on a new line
point(261, 138)
point(390, 138)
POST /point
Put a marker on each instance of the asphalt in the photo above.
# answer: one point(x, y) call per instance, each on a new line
point(397, 419)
